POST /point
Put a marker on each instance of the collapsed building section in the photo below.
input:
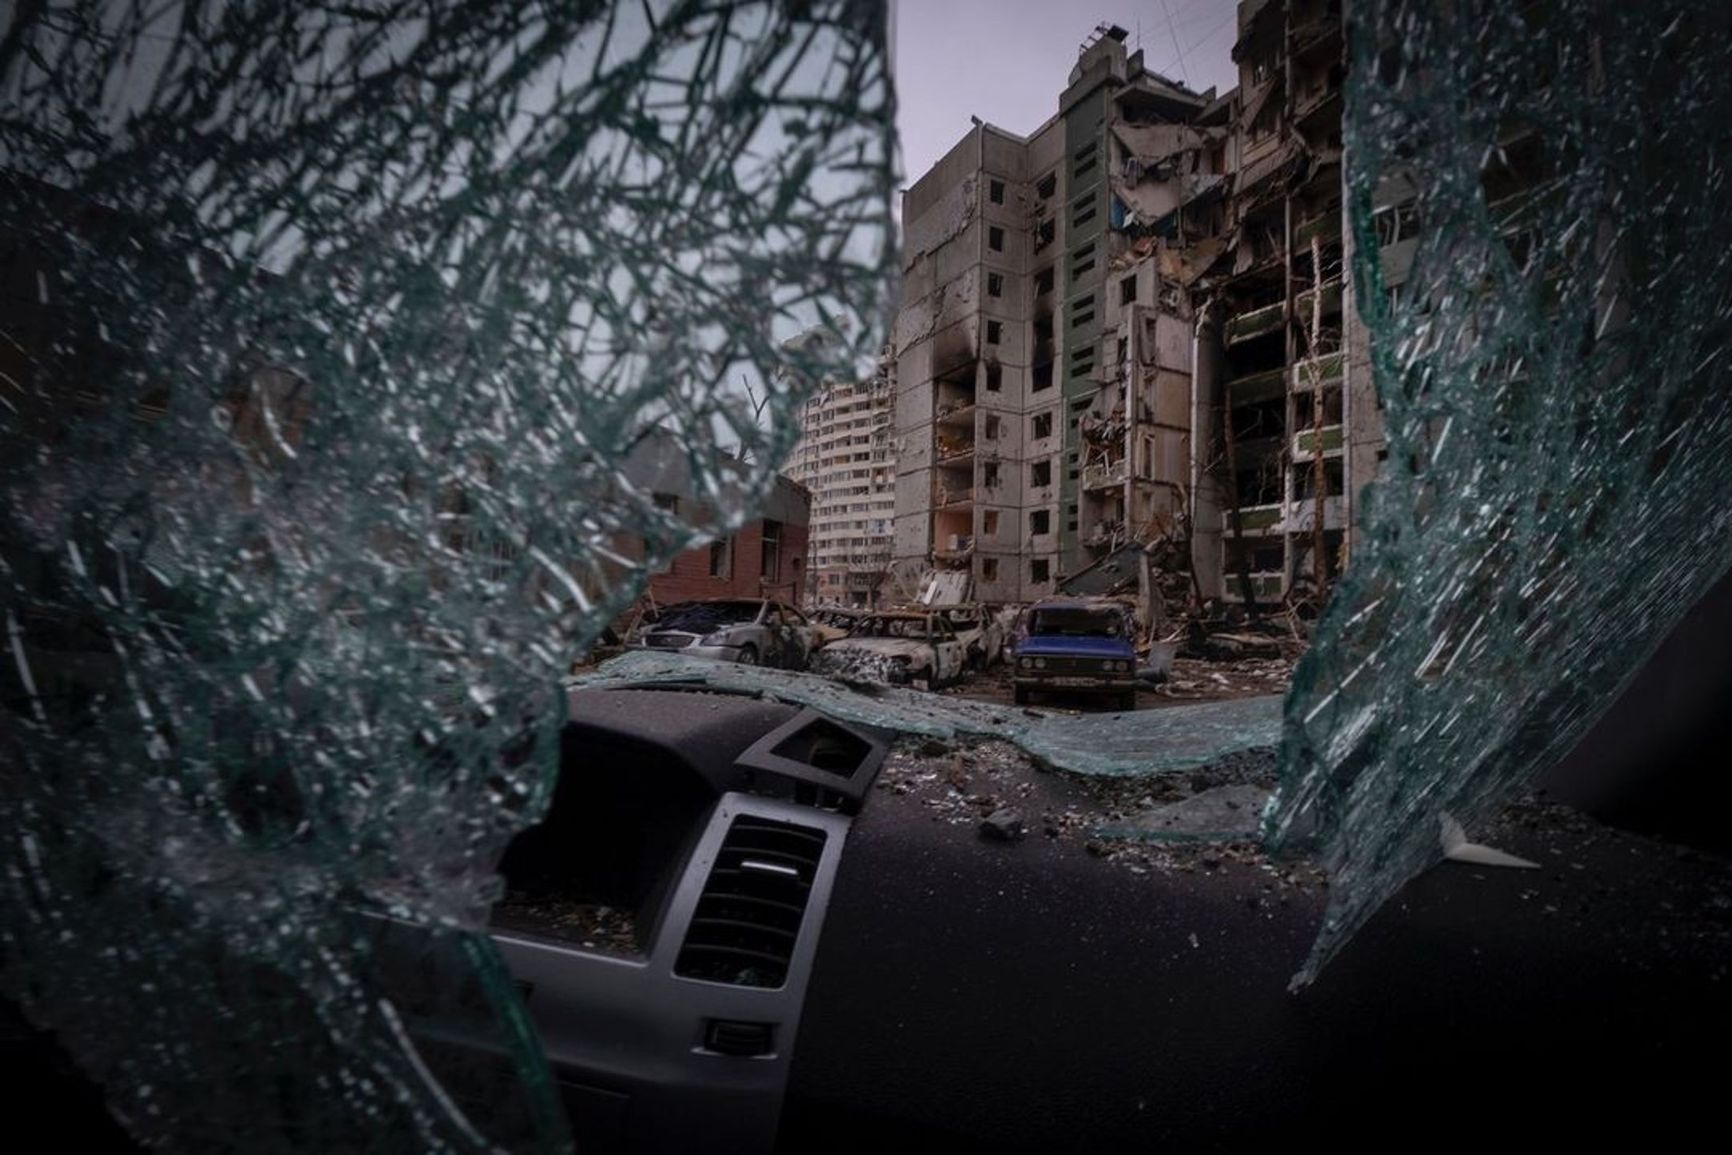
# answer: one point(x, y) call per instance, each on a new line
point(1289, 427)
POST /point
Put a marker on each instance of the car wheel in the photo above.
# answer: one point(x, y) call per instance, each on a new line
point(748, 655)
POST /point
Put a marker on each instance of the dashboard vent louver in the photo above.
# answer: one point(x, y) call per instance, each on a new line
point(748, 917)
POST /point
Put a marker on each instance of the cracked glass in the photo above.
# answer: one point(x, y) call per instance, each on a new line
point(343, 350)
point(1540, 241)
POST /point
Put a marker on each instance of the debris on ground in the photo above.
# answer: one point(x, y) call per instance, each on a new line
point(1218, 813)
point(1003, 825)
point(980, 783)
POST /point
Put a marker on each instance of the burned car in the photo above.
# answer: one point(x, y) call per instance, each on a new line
point(911, 647)
point(1081, 645)
point(983, 631)
point(833, 623)
point(752, 631)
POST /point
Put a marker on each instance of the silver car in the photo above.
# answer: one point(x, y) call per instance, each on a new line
point(751, 631)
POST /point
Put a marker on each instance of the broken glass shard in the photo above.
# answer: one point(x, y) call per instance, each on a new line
point(1550, 356)
point(328, 328)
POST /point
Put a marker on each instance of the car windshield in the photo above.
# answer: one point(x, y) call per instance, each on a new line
point(892, 627)
point(1076, 622)
point(703, 617)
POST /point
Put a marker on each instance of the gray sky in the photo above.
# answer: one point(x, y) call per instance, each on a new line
point(1006, 61)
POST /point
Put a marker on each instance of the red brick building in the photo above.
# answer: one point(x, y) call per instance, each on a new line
point(767, 556)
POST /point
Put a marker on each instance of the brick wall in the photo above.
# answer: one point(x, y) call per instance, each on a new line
point(689, 578)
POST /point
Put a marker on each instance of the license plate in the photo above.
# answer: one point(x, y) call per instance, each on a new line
point(1073, 681)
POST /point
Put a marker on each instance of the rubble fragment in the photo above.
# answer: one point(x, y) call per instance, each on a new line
point(1003, 825)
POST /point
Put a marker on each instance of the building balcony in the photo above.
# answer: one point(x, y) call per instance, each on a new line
point(1302, 514)
point(1324, 228)
point(1305, 440)
point(957, 414)
point(1104, 534)
point(953, 547)
point(1318, 104)
point(1313, 371)
point(1331, 290)
point(1257, 386)
point(1105, 475)
point(1317, 40)
point(1253, 323)
point(956, 456)
point(1259, 519)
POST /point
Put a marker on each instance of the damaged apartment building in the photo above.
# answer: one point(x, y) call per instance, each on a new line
point(1042, 406)
point(1133, 326)
point(846, 458)
point(1286, 424)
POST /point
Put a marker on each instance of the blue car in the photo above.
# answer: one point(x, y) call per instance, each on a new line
point(1079, 646)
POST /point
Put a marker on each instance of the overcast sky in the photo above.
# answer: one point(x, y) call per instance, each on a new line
point(1006, 61)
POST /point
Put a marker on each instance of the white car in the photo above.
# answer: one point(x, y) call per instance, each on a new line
point(750, 631)
point(919, 648)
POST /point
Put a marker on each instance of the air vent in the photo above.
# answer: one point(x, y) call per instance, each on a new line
point(748, 917)
point(824, 745)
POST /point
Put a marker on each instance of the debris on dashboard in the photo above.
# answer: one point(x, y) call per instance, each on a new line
point(593, 926)
point(1220, 813)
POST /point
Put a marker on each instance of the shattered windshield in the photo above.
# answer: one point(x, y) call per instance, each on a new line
point(350, 356)
point(706, 616)
point(395, 395)
point(1076, 623)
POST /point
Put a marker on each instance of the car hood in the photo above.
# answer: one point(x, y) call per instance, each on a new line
point(682, 633)
point(1075, 647)
point(895, 646)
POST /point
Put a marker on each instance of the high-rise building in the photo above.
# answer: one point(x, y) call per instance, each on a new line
point(1027, 445)
point(846, 457)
